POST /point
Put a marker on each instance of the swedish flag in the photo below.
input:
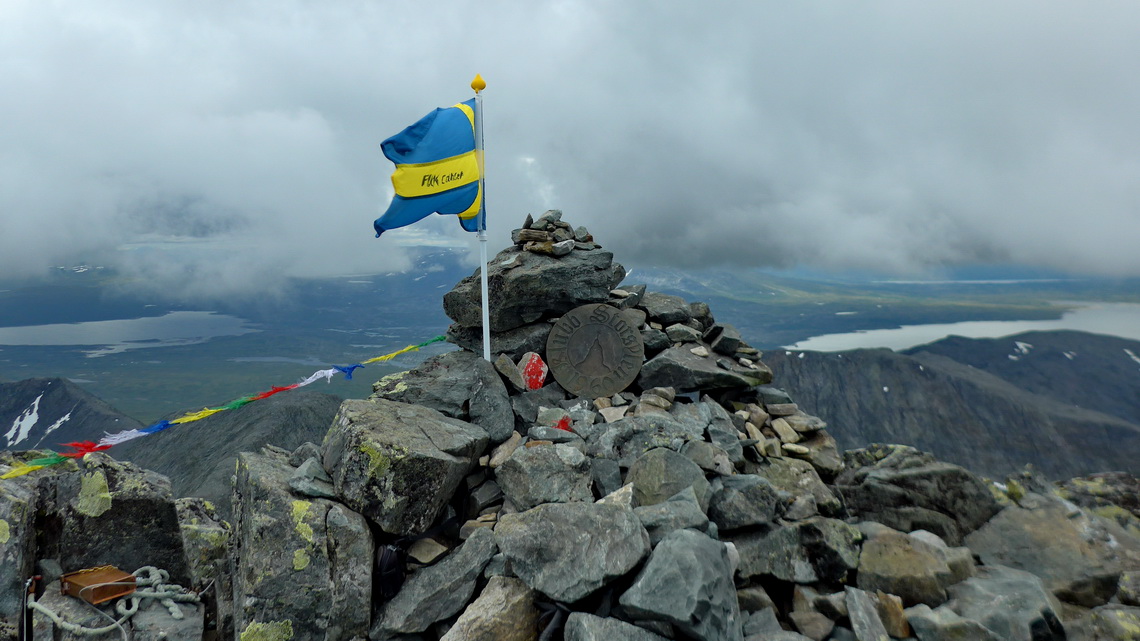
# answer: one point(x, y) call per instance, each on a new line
point(436, 169)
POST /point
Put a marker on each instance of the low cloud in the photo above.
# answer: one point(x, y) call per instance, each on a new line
point(220, 148)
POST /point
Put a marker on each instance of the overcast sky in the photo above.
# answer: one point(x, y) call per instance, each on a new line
point(237, 142)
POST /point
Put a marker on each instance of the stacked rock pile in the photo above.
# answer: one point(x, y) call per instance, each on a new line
point(561, 493)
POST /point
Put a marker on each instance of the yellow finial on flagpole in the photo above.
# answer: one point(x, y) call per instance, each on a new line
point(478, 84)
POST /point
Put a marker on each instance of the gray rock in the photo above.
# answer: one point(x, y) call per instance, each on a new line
point(581, 626)
point(570, 550)
point(206, 540)
point(799, 479)
point(665, 309)
point(1011, 603)
point(310, 479)
point(527, 404)
point(762, 621)
point(709, 457)
point(680, 368)
point(909, 490)
point(504, 611)
point(317, 574)
point(537, 287)
point(1113, 622)
point(398, 464)
point(438, 591)
point(661, 473)
point(458, 384)
point(304, 452)
point(817, 549)
point(626, 439)
point(512, 343)
point(812, 625)
point(745, 500)
point(864, 615)
point(606, 474)
point(506, 367)
point(687, 582)
point(724, 339)
point(545, 474)
point(715, 423)
point(654, 340)
point(114, 513)
point(18, 500)
point(943, 624)
point(677, 513)
point(900, 564)
point(1078, 555)
point(679, 333)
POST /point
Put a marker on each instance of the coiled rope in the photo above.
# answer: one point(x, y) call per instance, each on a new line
point(156, 586)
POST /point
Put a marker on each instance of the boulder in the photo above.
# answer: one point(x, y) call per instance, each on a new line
point(714, 422)
point(906, 489)
point(863, 611)
point(512, 343)
point(687, 582)
point(677, 513)
point(504, 611)
point(115, 513)
point(581, 626)
point(1078, 555)
point(661, 473)
point(816, 549)
point(1112, 622)
point(458, 384)
point(905, 566)
point(206, 539)
point(1013, 604)
point(665, 309)
point(944, 624)
point(627, 439)
point(18, 499)
point(399, 464)
point(316, 577)
point(797, 478)
point(527, 287)
point(545, 474)
point(745, 500)
point(570, 550)
point(680, 368)
point(438, 591)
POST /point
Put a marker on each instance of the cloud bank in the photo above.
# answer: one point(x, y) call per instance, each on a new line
point(216, 148)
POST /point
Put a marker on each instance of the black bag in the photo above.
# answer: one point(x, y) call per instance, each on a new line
point(391, 568)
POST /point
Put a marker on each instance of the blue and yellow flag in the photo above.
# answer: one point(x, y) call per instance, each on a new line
point(436, 169)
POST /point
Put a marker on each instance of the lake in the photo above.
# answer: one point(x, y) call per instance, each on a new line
point(1113, 319)
point(114, 336)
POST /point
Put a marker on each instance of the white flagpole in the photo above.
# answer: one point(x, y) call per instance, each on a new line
point(479, 85)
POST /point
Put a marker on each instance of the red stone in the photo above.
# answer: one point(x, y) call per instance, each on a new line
point(534, 370)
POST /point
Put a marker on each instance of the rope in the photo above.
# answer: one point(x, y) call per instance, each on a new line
point(168, 594)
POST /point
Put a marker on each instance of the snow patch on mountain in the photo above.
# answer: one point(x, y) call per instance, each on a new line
point(24, 423)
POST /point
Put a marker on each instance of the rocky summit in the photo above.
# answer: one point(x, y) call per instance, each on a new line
point(624, 468)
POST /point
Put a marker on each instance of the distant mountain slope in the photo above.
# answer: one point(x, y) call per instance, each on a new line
point(44, 412)
point(199, 457)
point(959, 413)
point(1087, 370)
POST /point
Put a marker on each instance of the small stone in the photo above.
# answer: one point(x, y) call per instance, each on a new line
point(700, 350)
point(602, 403)
point(667, 393)
point(754, 599)
point(522, 236)
point(795, 448)
point(507, 368)
point(619, 293)
point(611, 414)
point(679, 333)
point(812, 625)
point(655, 400)
point(426, 551)
point(782, 409)
point(892, 615)
point(562, 248)
point(534, 370)
point(785, 432)
point(503, 451)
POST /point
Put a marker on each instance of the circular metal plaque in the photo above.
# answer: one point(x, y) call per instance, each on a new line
point(594, 351)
